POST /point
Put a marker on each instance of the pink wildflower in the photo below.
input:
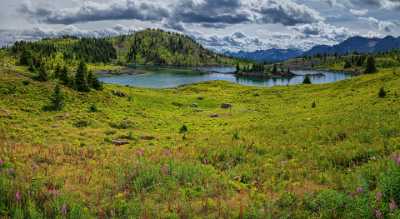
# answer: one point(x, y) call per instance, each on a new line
point(18, 196)
point(379, 196)
point(64, 209)
point(378, 214)
point(360, 190)
point(392, 205)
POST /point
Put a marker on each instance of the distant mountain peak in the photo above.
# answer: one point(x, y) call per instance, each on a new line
point(358, 44)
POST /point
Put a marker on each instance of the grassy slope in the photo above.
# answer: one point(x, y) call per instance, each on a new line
point(271, 142)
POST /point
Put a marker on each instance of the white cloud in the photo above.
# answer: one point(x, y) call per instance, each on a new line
point(361, 12)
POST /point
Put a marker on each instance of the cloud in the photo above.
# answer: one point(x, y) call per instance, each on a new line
point(175, 14)
point(93, 11)
point(287, 12)
point(359, 12)
point(384, 4)
point(324, 31)
point(386, 26)
point(7, 37)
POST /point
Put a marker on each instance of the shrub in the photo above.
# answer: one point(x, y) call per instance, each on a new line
point(307, 80)
point(371, 68)
point(183, 129)
point(57, 99)
point(382, 92)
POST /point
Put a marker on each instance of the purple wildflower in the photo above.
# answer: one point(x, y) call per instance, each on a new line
point(1, 162)
point(18, 196)
point(379, 196)
point(64, 209)
point(392, 205)
point(378, 214)
point(360, 190)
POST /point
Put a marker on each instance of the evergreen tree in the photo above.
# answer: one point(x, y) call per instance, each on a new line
point(382, 92)
point(64, 76)
point(42, 76)
point(347, 64)
point(81, 83)
point(307, 80)
point(94, 82)
point(371, 68)
point(57, 99)
point(275, 69)
point(26, 58)
point(57, 71)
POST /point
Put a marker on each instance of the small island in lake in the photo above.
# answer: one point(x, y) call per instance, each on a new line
point(261, 71)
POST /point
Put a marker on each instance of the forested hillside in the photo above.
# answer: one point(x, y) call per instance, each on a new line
point(150, 47)
point(166, 48)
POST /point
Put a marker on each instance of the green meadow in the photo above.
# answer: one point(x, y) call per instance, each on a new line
point(208, 150)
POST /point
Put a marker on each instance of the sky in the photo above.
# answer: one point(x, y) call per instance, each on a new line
point(221, 25)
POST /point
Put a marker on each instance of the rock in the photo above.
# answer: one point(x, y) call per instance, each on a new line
point(147, 138)
point(4, 113)
point(226, 106)
point(119, 142)
point(214, 116)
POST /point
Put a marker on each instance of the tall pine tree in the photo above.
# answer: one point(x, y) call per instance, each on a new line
point(81, 83)
point(42, 76)
point(94, 82)
point(371, 68)
point(57, 99)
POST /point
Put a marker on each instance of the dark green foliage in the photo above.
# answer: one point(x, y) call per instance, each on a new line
point(347, 64)
point(57, 99)
point(81, 83)
point(183, 129)
point(94, 82)
point(93, 108)
point(274, 69)
point(371, 68)
point(57, 71)
point(42, 74)
point(382, 92)
point(64, 76)
point(313, 105)
point(307, 80)
point(26, 58)
point(86, 49)
point(158, 47)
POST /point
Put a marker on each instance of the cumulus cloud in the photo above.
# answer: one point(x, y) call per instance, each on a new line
point(361, 12)
point(325, 31)
point(386, 26)
point(384, 4)
point(208, 13)
point(8, 37)
point(93, 11)
point(286, 12)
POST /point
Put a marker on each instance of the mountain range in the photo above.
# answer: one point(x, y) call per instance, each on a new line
point(270, 55)
point(354, 44)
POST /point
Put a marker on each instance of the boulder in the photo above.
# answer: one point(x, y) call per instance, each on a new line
point(226, 106)
point(120, 142)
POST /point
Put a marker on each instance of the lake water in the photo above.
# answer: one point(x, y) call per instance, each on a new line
point(169, 78)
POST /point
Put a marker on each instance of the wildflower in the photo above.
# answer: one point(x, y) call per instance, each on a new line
point(379, 196)
point(1, 162)
point(397, 159)
point(140, 152)
point(392, 205)
point(64, 209)
point(360, 190)
point(378, 214)
point(18, 196)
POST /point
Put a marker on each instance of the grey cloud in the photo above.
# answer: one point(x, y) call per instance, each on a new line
point(92, 11)
point(7, 37)
point(288, 13)
point(208, 13)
